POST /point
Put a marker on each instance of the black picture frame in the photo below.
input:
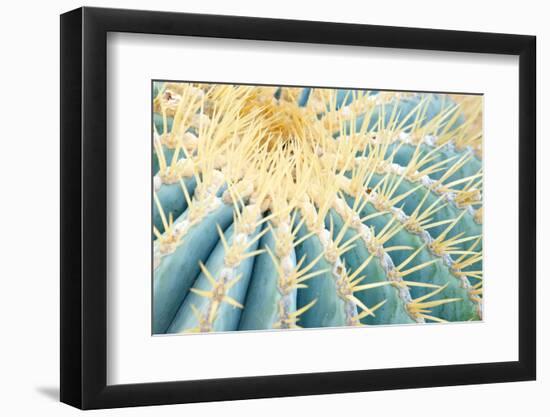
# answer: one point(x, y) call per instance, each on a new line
point(84, 207)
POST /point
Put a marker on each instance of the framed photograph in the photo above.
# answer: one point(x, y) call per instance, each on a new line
point(257, 208)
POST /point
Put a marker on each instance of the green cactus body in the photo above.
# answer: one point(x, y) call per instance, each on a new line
point(393, 311)
point(176, 272)
point(472, 165)
point(314, 208)
point(172, 200)
point(265, 298)
point(437, 273)
point(329, 310)
point(425, 197)
point(158, 123)
point(227, 316)
point(402, 113)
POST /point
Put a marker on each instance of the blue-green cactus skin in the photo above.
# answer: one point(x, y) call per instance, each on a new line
point(304, 96)
point(466, 224)
point(258, 291)
point(158, 123)
point(329, 310)
point(393, 311)
point(406, 110)
point(228, 316)
point(172, 200)
point(157, 87)
point(404, 154)
point(402, 113)
point(346, 97)
point(437, 273)
point(262, 301)
point(177, 271)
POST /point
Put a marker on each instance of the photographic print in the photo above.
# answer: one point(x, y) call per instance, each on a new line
point(279, 207)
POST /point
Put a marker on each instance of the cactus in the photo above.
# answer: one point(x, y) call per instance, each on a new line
point(281, 208)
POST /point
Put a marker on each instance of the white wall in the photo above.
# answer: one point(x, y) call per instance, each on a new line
point(29, 211)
